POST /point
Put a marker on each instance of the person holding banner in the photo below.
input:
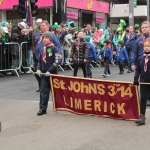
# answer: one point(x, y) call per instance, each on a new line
point(143, 71)
point(47, 64)
point(38, 43)
point(79, 54)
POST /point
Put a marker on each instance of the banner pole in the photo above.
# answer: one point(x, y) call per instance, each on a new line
point(31, 23)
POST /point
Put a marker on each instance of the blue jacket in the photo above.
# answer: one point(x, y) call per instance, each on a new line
point(107, 53)
point(137, 50)
point(129, 43)
point(62, 36)
point(91, 51)
point(121, 55)
point(139, 72)
point(51, 60)
point(39, 46)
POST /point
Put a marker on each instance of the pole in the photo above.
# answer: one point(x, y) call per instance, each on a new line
point(31, 23)
point(131, 13)
point(148, 10)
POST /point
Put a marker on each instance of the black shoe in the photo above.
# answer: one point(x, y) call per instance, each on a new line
point(38, 90)
point(129, 71)
point(1, 74)
point(141, 120)
point(14, 73)
point(148, 102)
point(41, 112)
point(121, 72)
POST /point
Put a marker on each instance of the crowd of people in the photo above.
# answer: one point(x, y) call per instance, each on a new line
point(126, 46)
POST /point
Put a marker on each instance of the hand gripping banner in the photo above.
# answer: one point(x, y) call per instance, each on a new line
point(115, 99)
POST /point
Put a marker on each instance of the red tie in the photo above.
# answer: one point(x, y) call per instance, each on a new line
point(146, 62)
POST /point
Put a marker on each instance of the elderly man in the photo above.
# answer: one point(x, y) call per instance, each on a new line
point(38, 43)
point(37, 25)
point(18, 29)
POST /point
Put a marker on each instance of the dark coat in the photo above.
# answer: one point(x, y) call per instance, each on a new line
point(78, 56)
point(18, 31)
point(139, 72)
point(15, 47)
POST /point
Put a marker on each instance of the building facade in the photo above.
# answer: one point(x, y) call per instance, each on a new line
point(81, 12)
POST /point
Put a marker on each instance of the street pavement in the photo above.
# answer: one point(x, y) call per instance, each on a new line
point(22, 129)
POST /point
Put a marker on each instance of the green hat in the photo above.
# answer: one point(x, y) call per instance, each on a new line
point(47, 34)
point(122, 23)
point(136, 25)
point(119, 29)
point(56, 26)
point(4, 23)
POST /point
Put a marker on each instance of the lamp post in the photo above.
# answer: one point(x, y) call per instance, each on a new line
point(131, 13)
point(148, 10)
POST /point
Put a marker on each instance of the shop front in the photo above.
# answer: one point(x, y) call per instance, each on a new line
point(7, 12)
point(88, 11)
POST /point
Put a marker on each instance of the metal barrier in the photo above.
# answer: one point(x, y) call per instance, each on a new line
point(10, 57)
point(26, 60)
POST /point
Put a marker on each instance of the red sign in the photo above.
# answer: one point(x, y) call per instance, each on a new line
point(95, 97)
point(100, 19)
point(72, 15)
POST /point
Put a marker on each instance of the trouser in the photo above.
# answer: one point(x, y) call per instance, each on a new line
point(144, 92)
point(129, 55)
point(15, 62)
point(44, 92)
point(121, 66)
point(106, 69)
point(88, 68)
point(35, 69)
point(76, 70)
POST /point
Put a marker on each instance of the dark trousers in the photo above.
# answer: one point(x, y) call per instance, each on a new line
point(129, 55)
point(144, 92)
point(121, 66)
point(44, 92)
point(106, 70)
point(35, 69)
point(76, 69)
point(88, 67)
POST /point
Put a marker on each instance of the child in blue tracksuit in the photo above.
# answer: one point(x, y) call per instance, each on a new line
point(143, 72)
point(121, 56)
point(91, 56)
point(47, 64)
point(107, 58)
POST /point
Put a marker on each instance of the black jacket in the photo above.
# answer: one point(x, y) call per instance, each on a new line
point(81, 54)
point(139, 72)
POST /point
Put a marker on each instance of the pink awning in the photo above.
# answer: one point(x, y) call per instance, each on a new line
point(91, 5)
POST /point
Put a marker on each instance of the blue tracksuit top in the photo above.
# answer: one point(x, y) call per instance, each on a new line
point(139, 72)
point(121, 55)
point(129, 43)
point(137, 49)
point(107, 53)
point(91, 51)
point(51, 60)
point(39, 46)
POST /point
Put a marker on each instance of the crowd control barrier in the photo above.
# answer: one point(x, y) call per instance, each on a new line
point(26, 56)
point(10, 57)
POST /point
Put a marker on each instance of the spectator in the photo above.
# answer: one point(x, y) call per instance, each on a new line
point(130, 39)
point(37, 25)
point(79, 54)
point(87, 29)
point(18, 29)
